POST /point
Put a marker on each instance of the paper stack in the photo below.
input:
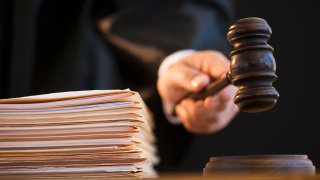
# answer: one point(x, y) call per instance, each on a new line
point(99, 133)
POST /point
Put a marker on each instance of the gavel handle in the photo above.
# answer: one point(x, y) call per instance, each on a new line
point(211, 90)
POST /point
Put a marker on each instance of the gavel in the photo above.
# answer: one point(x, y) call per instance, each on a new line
point(252, 67)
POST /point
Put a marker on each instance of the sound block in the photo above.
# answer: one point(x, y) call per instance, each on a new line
point(260, 164)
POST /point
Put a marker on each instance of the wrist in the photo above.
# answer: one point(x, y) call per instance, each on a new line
point(168, 107)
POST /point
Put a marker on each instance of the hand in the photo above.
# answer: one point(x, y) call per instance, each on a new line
point(192, 74)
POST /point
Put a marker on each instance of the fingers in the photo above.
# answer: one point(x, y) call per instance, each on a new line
point(212, 63)
point(223, 118)
point(188, 78)
point(203, 121)
point(189, 119)
point(179, 80)
point(220, 100)
point(192, 74)
point(210, 115)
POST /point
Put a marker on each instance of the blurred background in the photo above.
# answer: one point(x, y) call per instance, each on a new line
point(49, 46)
point(293, 126)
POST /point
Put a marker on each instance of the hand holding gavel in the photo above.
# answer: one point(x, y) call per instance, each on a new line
point(252, 69)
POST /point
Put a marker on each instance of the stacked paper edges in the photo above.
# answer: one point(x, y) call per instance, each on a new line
point(100, 131)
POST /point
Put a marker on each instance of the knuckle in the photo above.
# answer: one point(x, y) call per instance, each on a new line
point(190, 75)
point(183, 73)
point(222, 107)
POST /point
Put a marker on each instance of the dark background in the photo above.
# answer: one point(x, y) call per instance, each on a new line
point(293, 126)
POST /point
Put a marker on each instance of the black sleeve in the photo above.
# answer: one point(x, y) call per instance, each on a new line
point(143, 33)
point(49, 46)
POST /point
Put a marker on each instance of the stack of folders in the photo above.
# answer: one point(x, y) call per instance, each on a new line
point(98, 133)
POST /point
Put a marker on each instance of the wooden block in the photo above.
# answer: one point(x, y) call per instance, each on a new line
point(260, 164)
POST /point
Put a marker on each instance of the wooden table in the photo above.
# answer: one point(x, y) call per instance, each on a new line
point(197, 176)
point(164, 176)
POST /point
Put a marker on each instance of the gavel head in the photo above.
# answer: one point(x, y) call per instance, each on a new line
point(253, 66)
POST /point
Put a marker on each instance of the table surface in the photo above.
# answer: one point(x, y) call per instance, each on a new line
point(195, 176)
point(165, 176)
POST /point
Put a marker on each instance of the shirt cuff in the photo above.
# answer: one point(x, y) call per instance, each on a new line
point(170, 60)
point(173, 58)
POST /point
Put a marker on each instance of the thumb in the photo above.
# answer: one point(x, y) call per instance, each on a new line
point(188, 78)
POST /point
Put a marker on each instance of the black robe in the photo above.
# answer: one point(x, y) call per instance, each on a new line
point(50, 46)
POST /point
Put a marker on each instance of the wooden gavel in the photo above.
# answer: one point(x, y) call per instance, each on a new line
point(252, 67)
